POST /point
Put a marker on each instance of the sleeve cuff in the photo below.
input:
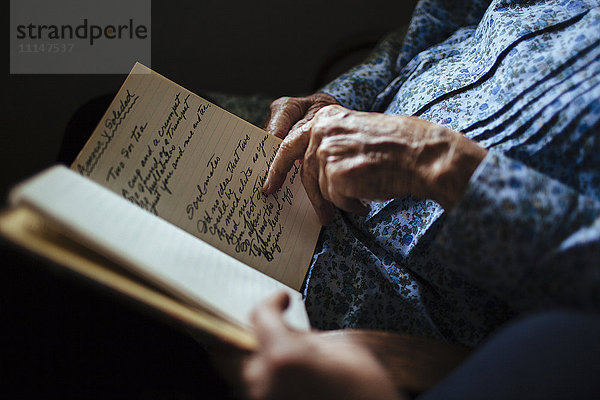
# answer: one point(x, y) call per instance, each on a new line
point(510, 218)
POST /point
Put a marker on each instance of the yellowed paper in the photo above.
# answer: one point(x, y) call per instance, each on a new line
point(202, 169)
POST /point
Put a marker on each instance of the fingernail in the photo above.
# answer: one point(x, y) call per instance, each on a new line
point(266, 186)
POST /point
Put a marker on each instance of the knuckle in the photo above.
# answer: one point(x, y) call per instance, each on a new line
point(322, 153)
point(323, 98)
point(319, 128)
point(322, 121)
point(294, 110)
point(275, 171)
point(331, 109)
point(278, 103)
point(326, 153)
point(285, 148)
point(300, 130)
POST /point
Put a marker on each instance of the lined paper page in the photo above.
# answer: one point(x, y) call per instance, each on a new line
point(169, 257)
point(201, 168)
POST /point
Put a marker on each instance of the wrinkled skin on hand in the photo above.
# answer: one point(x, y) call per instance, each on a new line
point(303, 365)
point(289, 115)
point(350, 156)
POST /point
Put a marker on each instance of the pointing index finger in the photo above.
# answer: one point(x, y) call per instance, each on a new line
point(291, 149)
point(285, 112)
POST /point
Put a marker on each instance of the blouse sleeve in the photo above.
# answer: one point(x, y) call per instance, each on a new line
point(527, 238)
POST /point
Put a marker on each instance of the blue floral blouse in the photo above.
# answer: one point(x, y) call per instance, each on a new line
point(522, 78)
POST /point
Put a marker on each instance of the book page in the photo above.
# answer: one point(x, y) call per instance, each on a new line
point(30, 230)
point(201, 168)
point(170, 258)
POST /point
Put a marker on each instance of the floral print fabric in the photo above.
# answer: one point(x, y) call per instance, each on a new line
point(522, 78)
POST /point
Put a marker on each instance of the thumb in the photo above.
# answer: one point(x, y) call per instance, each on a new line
point(268, 319)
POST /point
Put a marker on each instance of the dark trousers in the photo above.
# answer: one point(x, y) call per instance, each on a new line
point(552, 355)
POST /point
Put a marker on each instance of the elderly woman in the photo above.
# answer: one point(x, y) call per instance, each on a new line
point(458, 173)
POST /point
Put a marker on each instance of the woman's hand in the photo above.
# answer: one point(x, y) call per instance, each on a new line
point(349, 156)
point(289, 115)
point(304, 365)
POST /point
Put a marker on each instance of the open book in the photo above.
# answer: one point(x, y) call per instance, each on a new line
point(164, 204)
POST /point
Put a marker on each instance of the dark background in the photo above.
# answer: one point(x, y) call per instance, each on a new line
point(273, 47)
point(61, 338)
